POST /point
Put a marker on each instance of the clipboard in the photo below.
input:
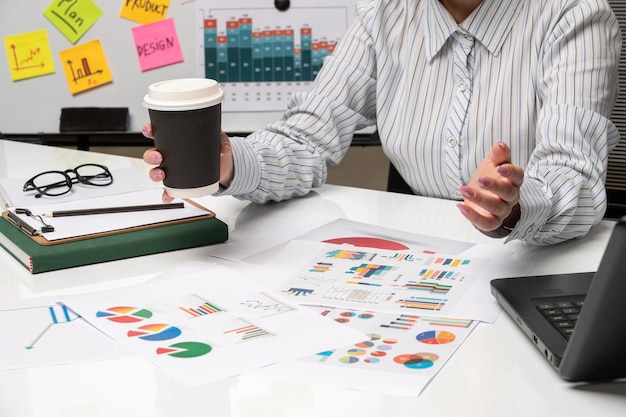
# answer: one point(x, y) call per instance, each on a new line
point(41, 240)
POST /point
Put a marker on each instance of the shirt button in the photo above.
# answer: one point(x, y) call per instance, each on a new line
point(530, 230)
point(452, 142)
point(458, 194)
point(461, 87)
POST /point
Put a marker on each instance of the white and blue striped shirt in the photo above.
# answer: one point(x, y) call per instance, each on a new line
point(539, 75)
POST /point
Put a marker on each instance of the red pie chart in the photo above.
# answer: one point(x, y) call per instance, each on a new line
point(368, 242)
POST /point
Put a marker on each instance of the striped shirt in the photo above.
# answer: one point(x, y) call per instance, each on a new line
point(539, 75)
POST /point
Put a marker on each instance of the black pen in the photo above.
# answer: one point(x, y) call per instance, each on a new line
point(107, 210)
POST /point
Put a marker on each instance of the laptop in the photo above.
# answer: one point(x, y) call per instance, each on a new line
point(577, 321)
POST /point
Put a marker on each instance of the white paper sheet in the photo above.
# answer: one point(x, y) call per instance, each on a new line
point(125, 180)
point(71, 226)
point(209, 322)
point(40, 332)
point(422, 283)
point(258, 249)
point(402, 354)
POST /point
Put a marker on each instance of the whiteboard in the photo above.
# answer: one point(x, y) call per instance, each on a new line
point(34, 105)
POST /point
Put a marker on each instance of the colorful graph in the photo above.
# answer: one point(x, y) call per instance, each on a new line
point(433, 337)
point(246, 54)
point(451, 262)
point(438, 274)
point(423, 303)
point(416, 360)
point(447, 322)
point(248, 332)
point(355, 295)
point(58, 314)
point(124, 314)
point(321, 267)
point(369, 351)
point(185, 350)
point(298, 292)
point(401, 322)
point(155, 332)
point(370, 270)
point(401, 257)
point(430, 287)
point(201, 310)
point(346, 254)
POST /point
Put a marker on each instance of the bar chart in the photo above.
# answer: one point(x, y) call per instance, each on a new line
point(260, 55)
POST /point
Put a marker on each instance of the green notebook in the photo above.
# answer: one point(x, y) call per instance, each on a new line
point(163, 238)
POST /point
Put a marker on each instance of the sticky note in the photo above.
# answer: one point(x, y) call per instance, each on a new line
point(145, 11)
point(29, 54)
point(73, 18)
point(85, 67)
point(157, 44)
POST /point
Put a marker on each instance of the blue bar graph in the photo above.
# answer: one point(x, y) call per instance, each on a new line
point(244, 54)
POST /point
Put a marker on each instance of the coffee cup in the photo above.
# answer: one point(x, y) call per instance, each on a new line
point(186, 123)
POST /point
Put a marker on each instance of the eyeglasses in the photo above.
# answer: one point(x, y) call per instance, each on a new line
point(55, 183)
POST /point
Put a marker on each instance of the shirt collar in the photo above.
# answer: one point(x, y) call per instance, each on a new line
point(490, 24)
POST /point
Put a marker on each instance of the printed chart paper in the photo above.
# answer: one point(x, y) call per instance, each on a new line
point(402, 354)
point(398, 281)
point(42, 332)
point(208, 323)
point(261, 55)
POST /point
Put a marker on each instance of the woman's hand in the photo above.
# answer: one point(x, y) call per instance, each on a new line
point(493, 193)
point(154, 157)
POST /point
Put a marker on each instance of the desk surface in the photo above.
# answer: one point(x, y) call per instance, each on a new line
point(496, 372)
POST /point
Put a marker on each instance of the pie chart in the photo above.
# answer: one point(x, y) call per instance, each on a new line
point(416, 360)
point(368, 242)
point(152, 332)
point(185, 350)
point(124, 314)
point(433, 337)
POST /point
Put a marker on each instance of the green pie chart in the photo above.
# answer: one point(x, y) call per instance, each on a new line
point(185, 350)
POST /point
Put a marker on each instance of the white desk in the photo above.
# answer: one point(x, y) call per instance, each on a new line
point(497, 372)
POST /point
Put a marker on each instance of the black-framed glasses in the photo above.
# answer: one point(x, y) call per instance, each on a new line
point(55, 183)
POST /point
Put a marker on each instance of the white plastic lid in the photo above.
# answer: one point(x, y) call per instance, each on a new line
point(183, 94)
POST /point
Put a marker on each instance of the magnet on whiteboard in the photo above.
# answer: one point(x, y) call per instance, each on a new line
point(282, 5)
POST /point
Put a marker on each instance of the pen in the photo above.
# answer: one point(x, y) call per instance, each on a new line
point(107, 210)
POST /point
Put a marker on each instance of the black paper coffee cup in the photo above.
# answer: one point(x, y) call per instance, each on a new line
point(186, 123)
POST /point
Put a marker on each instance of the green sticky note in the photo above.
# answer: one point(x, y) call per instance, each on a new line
point(73, 18)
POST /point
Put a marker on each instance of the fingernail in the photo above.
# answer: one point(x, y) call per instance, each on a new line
point(466, 192)
point(503, 145)
point(146, 130)
point(157, 176)
point(484, 182)
point(505, 171)
point(463, 209)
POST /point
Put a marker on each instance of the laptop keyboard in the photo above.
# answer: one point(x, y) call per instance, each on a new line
point(562, 313)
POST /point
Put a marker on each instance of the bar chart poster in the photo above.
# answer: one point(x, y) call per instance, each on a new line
point(261, 55)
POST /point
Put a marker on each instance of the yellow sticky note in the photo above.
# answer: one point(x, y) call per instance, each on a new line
point(73, 18)
point(142, 11)
point(29, 54)
point(85, 67)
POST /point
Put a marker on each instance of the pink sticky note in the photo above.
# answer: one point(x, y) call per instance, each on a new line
point(157, 44)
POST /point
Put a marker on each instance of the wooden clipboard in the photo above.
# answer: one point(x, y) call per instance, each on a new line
point(39, 239)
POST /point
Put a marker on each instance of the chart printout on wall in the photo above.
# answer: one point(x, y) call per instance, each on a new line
point(260, 55)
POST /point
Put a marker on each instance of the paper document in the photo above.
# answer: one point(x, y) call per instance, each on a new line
point(207, 322)
point(72, 226)
point(125, 180)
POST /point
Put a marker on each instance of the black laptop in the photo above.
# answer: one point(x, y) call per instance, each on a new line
point(577, 321)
